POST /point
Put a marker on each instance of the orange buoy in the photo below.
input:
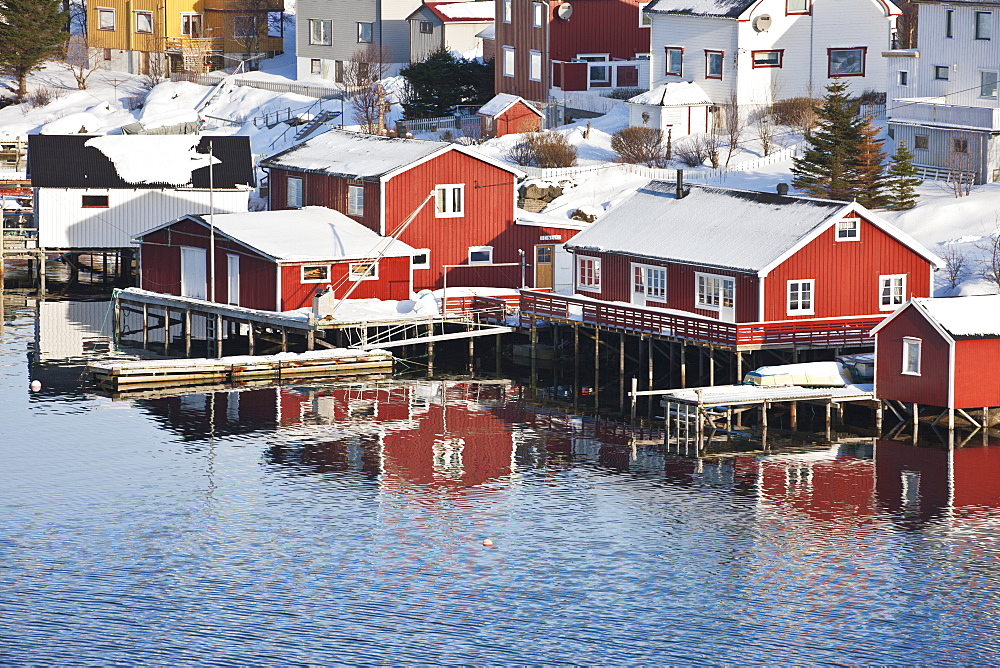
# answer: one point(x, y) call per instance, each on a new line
point(487, 542)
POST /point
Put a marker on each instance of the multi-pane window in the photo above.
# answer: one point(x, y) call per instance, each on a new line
point(105, 19)
point(321, 32)
point(988, 84)
point(191, 25)
point(960, 145)
point(767, 58)
point(599, 74)
point(450, 201)
point(713, 64)
point(644, 20)
point(848, 229)
point(426, 27)
point(674, 60)
point(294, 195)
point(847, 62)
point(355, 200)
point(892, 291)
point(984, 25)
point(480, 254)
point(144, 23)
point(362, 271)
point(588, 273)
point(535, 65)
point(315, 66)
point(365, 32)
point(911, 356)
point(800, 297)
point(713, 292)
point(650, 281)
point(508, 61)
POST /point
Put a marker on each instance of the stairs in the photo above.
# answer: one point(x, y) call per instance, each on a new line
point(317, 121)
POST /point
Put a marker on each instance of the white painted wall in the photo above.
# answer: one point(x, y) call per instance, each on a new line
point(64, 223)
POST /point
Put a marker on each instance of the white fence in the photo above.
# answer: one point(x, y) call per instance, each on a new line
point(273, 86)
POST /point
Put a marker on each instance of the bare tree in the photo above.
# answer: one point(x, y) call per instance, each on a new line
point(989, 265)
point(639, 145)
point(362, 73)
point(693, 150)
point(82, 60)
point(251, 22)
point(955, 264)
point(735, 123)
point(765, 128)
point(963, 163)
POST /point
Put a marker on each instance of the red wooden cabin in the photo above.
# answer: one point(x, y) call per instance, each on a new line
point(463, 229)
point(544, 44)
point(274, 260)
point(741, 269)
point(941, 352)
point(508, 114)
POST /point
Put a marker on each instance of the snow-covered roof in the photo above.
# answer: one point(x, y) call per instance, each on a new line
point(474, 11)
point(489, 32)
point(720, 227)
point(727, 8)
point(962, 317)
point(313, 233)
point(674, 94)
point(501, 102)
point(142, 159)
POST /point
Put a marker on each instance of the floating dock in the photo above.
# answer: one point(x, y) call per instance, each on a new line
point(117, 376)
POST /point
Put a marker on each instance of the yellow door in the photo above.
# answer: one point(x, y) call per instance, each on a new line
point(543, 266)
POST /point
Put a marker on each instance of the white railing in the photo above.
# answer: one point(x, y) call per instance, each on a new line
point(987, 118)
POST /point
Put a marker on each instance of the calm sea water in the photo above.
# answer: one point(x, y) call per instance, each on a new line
point(343, 523)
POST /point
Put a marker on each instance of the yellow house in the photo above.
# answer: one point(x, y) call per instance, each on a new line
point(162, 36)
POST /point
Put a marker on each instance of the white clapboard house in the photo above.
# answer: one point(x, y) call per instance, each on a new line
point(100, 192)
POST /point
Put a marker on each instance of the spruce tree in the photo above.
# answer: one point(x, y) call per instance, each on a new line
point(441, 81)
point(827, 167)
point(902, 180)
point(869, 168)
point(30, 33)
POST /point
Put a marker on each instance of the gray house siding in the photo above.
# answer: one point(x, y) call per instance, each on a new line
point(981, 157)
point(422, 44)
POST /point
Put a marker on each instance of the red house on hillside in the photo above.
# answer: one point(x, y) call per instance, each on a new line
point(749, 269)
point(941, 352)
point(274, 260)
point(463, 202)
point(591, 45)
point(508, 114)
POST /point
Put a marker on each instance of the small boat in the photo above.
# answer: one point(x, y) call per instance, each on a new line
point(806, 374)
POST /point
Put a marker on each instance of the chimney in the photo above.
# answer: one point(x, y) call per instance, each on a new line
point(680, 184)
point(782, 188)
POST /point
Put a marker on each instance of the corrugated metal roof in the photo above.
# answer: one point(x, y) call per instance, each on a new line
point(965, 317)
point(63, 161)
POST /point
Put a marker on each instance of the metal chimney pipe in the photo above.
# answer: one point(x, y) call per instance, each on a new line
point(680, 184)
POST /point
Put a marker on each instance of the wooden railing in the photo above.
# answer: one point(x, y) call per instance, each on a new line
point(194, 44)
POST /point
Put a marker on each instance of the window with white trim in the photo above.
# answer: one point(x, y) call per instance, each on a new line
point(421, 259)
point(320, 32)
point(537, 14)
point(588, 273)
point(892, 292)
point(450, 200)
point(644, 20)
point(801, 297)
point(105, 19)
point(713, 64)
point(508, 10)
point(674, 61)
point(362, 271)
point(598, 74)
point(294, 195)
point(535, 65)
point(848, 229)
point(366, 32)
point(144, 23)
point(355, 200)
point(911, 356)
point(508, 61)
point(650, 281)
point(480, 254)
point(315, 273)
point(713, 291)
point(191, 25)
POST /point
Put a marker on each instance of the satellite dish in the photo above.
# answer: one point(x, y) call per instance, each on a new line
point(564, 11)
point(762, 23)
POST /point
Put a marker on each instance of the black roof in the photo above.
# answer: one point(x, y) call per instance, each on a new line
point(63, 161)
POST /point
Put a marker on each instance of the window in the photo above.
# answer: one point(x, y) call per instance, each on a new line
point(797, 7)
point(508, 61)
point(426, 27)
point(365, 31)
point(315, 273)
point(800, 297)
point(315, 66)
point(191, 25)
point(105, 19)
point(674, 61)
point(713, 64)
point(848, 229)
point(599, 74)
point(987, 84)
point(892, 292)
point(95, 202)
point(338, 71)
point(921, 141)
point(847, 62)
point(480, 254)
point(644, 19)
point(941, 72)
point(245, 27)
point(362, 271)
point(537, 14)
point(904, 78)
point(294, 198)
point(275, 24)
point(713, 292)
point(355, 200)
point(911, 356)
point(320, 32)
point(650, 281)
point(450, 201)
point(767, 58)
point(422, 259)
point(960, 145)
point(984, 25)
point(508, 10)
point(535, 65)
point(144, 23)
point(107, 54)
point(588, 273)
point(949, 23)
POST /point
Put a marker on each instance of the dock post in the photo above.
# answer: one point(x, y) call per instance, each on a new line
point(666, 423)
point(951, 419)
point(166, 325)
point(117, 324)
point(576, 366)
point(763, 433)
point(499, 353)
point(430, 349)
point(916, 420)
point(621, 369)
point(711, 366)
point(284, 339)
point(739, 368)
point(635, 388)
point(683, 349)
point(597, 366)
point(311, 339)
point(472, 352)
point(251, 348)
point(829, 427)
point(218, 335)
point(878, 417)
point(145, 326)
point(41, 274)
point(793, 414)
point(534, 337)
point(187, 332)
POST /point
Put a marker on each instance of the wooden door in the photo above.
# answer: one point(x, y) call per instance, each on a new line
point(543, 265)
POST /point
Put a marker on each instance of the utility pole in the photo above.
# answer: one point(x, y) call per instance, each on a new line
point(211, 223)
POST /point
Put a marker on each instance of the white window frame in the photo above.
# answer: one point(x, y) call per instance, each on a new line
point(588, 267)
point(983, 84)
point(703, 297)
point(709, 53)
point(799, 306)
point(324, 279)
point(481, 249)
point(148, 14)
point(655, 290)
point(535, 65)
point(187, 23)
point(103, 12)
point(645, 21)
point(426, 264)
point(444, 200)
point(296, 201)
point(593, 73)
point(910, 343)
point(508, 61)
point(325, 37)
point(537, 14)
point(508, 11)
point(844, 230)
point(890, 280)
point(361, 32)
point(356, 271)
point(983, 31)
point(355, 200)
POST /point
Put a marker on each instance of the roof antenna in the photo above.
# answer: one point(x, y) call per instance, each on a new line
point(680, 184)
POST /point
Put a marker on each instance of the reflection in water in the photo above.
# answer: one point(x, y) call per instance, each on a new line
point(343, 523)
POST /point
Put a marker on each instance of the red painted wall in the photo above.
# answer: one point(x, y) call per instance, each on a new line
point(977, 373)
point(846, 274)
point(393, 282)
point(931, 386)
point(519, 118)
point(521, 34)
point(328, 191)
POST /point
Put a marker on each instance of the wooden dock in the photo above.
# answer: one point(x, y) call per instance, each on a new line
point(117, 376)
